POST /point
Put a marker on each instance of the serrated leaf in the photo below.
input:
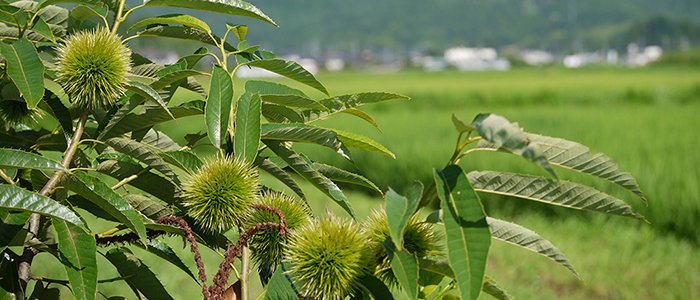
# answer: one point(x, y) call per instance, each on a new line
point(466, 229)
point(140, 277)
point(97, 192)
point(239, 30)
point(340, 103)
point(280, 114)
point(560, 193)
point(193, 85)
point(150, 208)
point(362, 115)
point(159, 141)
point(185, 160)
point(41, 27)
point(162, 250)
point(247, 136)
point(289, 69)
point(77, 250)
point(151, 183)
point(294, 101)
point(460, 125)
point(509, 138)
point(16, 198)
point(399, 209)
point(271, 88)
point(218, 109)
point(185, 33)
point(229, 7)
point(306, 134)
point(305, 169)
point(405, 268)
point(26, 70)
point(375, 287)
point(357, 141)
point(265, 164)
point(340, 175)
point(280, 286)
point(148, 93)
point(528, 239)
point(181, 19)
point(492, 288)
point(13, 158)
point(149, 117)
point(144, 154)
point(577, 157)
point(174, 77)
point(147, 70)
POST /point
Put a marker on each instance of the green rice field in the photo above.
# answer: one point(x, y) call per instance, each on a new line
point(646, 119)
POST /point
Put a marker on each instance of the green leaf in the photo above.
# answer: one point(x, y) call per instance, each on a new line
point(185, 33)
point(560, 193)
point(460, 125)
point(78, 252)
point(141, 278)
point(280, 114)
point(26, 69)
point(59, 111)
point(16, 198)
point(144, 154)
point(41, 27)
point(158, 140)
point(509, 138)
point(340, 175)
point(181, 19)
point(340, 103)
point(271, 88)
point(439, 267)
point(10, 287)
point(399, 209)
point(229, 7)
point(162, 250)
point(280, 286)
point(97, 192)
point(173, 77)
point(293, 100)
point(112, 4)
point(404, 266)
point(466, 229)
point(151, 183)
point(289, 69)
point(247, 136)
point(306, 170)
point(375, 287)
point(185, 160)
point(362, 115)
point(239, 30)
point(150, 208)
point(307, 134)
point(12, 158)
point(577, 157)
point(357, 141)
point(492, 288)
point(271, 168)
point(82, 12)
point(10, 225)
point(149, 117)
point(218, 109)
point(528, 239)
point(148, 93)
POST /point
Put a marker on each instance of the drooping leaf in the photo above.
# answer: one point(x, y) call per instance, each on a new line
point(147, 70)
point(375, 287)
point(492, 288)
point(26, 70)
point(306, 134)
point(357, 141)
point(577, 157)
point(289, 69)
point(294, 101)
point(13, 158)
point(151, 116)
point(185, 33)
point(306, 170)
point(466, 229)
point(509, 138)
point(362, 115)
point(340, 175)
point(59, 111)
point(78, 252)
point(247, 136)
point(116, 156)
point(271, 168)
point(185, 160)
point(10, 225)
point(162, 250)
point(181, 19)
point(41, 27)
point(140, 277)
point(10, 287)
point(158, 140)
point(82, 12)
point(174, 77)
point(151, 183)
point(399, 209)
point(218, 109)
point(16, 198)
point(148, 93)
point(112, 4)
point(280, 114)
point(340, 103)
point(560, 193)
point(193, 85)
point(460, 125)
point(405, 267)
point(528, 239)
point(229, 7)
point(271, 88)
point(280, 286)
point(150, 208)
point(144, 154)
point(97, 192)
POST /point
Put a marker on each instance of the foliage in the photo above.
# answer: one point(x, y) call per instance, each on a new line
point(117, 167)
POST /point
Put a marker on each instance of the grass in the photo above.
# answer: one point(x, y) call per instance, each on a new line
point(645, 119)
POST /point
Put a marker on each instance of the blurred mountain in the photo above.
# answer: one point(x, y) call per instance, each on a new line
point(562, 26)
